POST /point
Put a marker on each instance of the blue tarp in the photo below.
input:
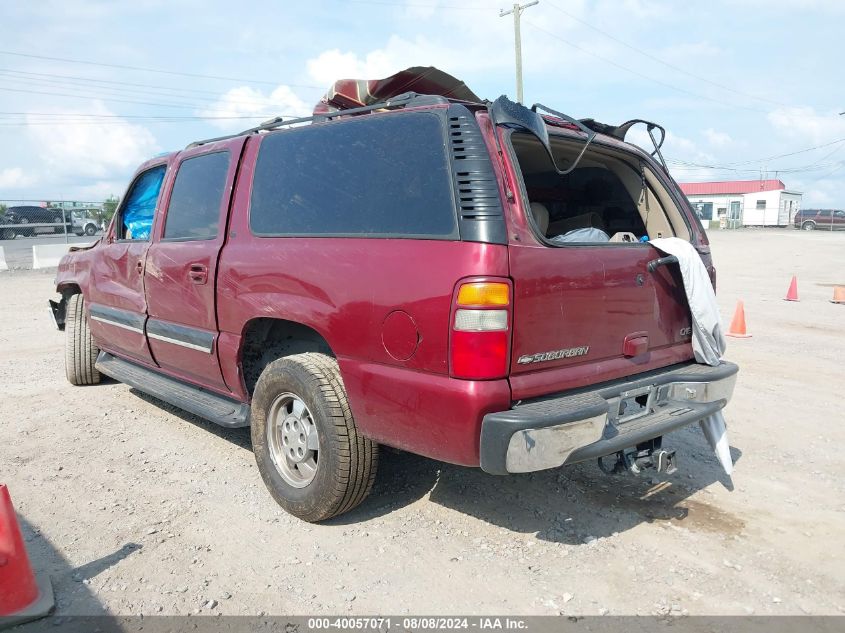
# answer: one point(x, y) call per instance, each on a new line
point(141, 205)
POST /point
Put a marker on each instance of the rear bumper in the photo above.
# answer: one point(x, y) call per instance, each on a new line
point(553, 431)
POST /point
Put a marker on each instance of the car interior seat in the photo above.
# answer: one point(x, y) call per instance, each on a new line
point(541, 216)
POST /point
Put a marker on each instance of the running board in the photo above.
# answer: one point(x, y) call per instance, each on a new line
point(218, 409)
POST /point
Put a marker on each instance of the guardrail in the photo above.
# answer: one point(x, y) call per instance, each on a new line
point(48, 255)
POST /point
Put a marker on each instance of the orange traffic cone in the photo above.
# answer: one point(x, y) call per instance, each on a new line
point(792, 293)
point(23, 597)
point(838, 294)
point(737, 328)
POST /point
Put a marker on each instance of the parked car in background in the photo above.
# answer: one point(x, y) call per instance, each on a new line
point(822, 219)
point(25, 215)
point(33, 215)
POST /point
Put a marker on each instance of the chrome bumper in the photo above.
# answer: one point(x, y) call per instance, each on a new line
point(550, 432)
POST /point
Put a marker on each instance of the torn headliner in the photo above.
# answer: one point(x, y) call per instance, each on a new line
point(427, 80)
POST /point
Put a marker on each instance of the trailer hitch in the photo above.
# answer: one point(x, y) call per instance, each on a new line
point(646, 456)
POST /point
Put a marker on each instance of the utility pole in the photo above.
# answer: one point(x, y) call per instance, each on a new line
point(517, 13)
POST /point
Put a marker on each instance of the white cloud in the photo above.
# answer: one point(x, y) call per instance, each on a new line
point(78, 148)
point(250, 102)
point(334, 64)
point(473, 54)
point(15, 178)
point(719, 139)
point(805, 123)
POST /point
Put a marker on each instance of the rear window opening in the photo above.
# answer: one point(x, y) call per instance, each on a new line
point(611, 197)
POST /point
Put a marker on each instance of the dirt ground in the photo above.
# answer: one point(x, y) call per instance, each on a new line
point(136, 508)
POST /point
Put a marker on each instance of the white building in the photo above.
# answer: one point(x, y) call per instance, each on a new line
point(743, 202)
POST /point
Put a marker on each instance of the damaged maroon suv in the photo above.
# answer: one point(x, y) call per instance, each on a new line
point(466, 280)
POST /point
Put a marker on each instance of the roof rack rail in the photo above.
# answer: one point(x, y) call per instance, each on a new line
point(393, 102)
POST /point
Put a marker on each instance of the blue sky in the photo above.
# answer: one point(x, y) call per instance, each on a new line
point(737, 83)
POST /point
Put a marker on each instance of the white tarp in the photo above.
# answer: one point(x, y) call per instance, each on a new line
point(708, 341)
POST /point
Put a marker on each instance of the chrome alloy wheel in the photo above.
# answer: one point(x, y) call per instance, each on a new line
point(293, 440)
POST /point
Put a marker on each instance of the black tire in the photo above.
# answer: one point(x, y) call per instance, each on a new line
point(7, 234)
point(80, 349)
point(90, 230)
point(347, 461)
point(808, 226)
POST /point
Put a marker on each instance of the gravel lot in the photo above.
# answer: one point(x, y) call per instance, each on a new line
point(136, 508)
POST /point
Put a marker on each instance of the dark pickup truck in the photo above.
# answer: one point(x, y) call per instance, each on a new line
point(462, 279)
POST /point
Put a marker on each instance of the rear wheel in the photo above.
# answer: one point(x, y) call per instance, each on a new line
point(309, 452)
point(80, 350)
point(809, 226)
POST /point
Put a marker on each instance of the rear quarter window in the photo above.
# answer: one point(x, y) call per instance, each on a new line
point(379, 176)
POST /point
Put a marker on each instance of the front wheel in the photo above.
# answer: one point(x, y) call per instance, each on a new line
point(309, 452)
point(7, 234)
point(809, 226)
point(90, 230)
point(80, 349)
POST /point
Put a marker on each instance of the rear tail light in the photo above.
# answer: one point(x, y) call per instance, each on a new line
point(480, 334)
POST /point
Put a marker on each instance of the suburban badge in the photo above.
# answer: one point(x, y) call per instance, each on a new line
point(560, 353)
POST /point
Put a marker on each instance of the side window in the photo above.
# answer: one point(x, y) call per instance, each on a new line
point(825, 213)
point(138, 209)
point(194, 209)
point(377, 176)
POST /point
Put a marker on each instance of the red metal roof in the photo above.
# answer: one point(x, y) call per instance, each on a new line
point(730, 187)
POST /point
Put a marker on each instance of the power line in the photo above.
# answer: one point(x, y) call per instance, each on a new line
point(639, 74)
point(76, 79)
point(800, 151)
point(130, 116)
point(96, 92)
point(88, 97)
point(418, 5)
point(113, 99)
point(683, 165)
point(153, 70)
point(107, 92)
point(661, 61)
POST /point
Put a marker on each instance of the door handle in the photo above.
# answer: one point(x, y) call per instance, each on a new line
point(198, 274)
point(139, 267)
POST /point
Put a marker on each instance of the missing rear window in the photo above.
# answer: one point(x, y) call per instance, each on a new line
point(605, 199)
